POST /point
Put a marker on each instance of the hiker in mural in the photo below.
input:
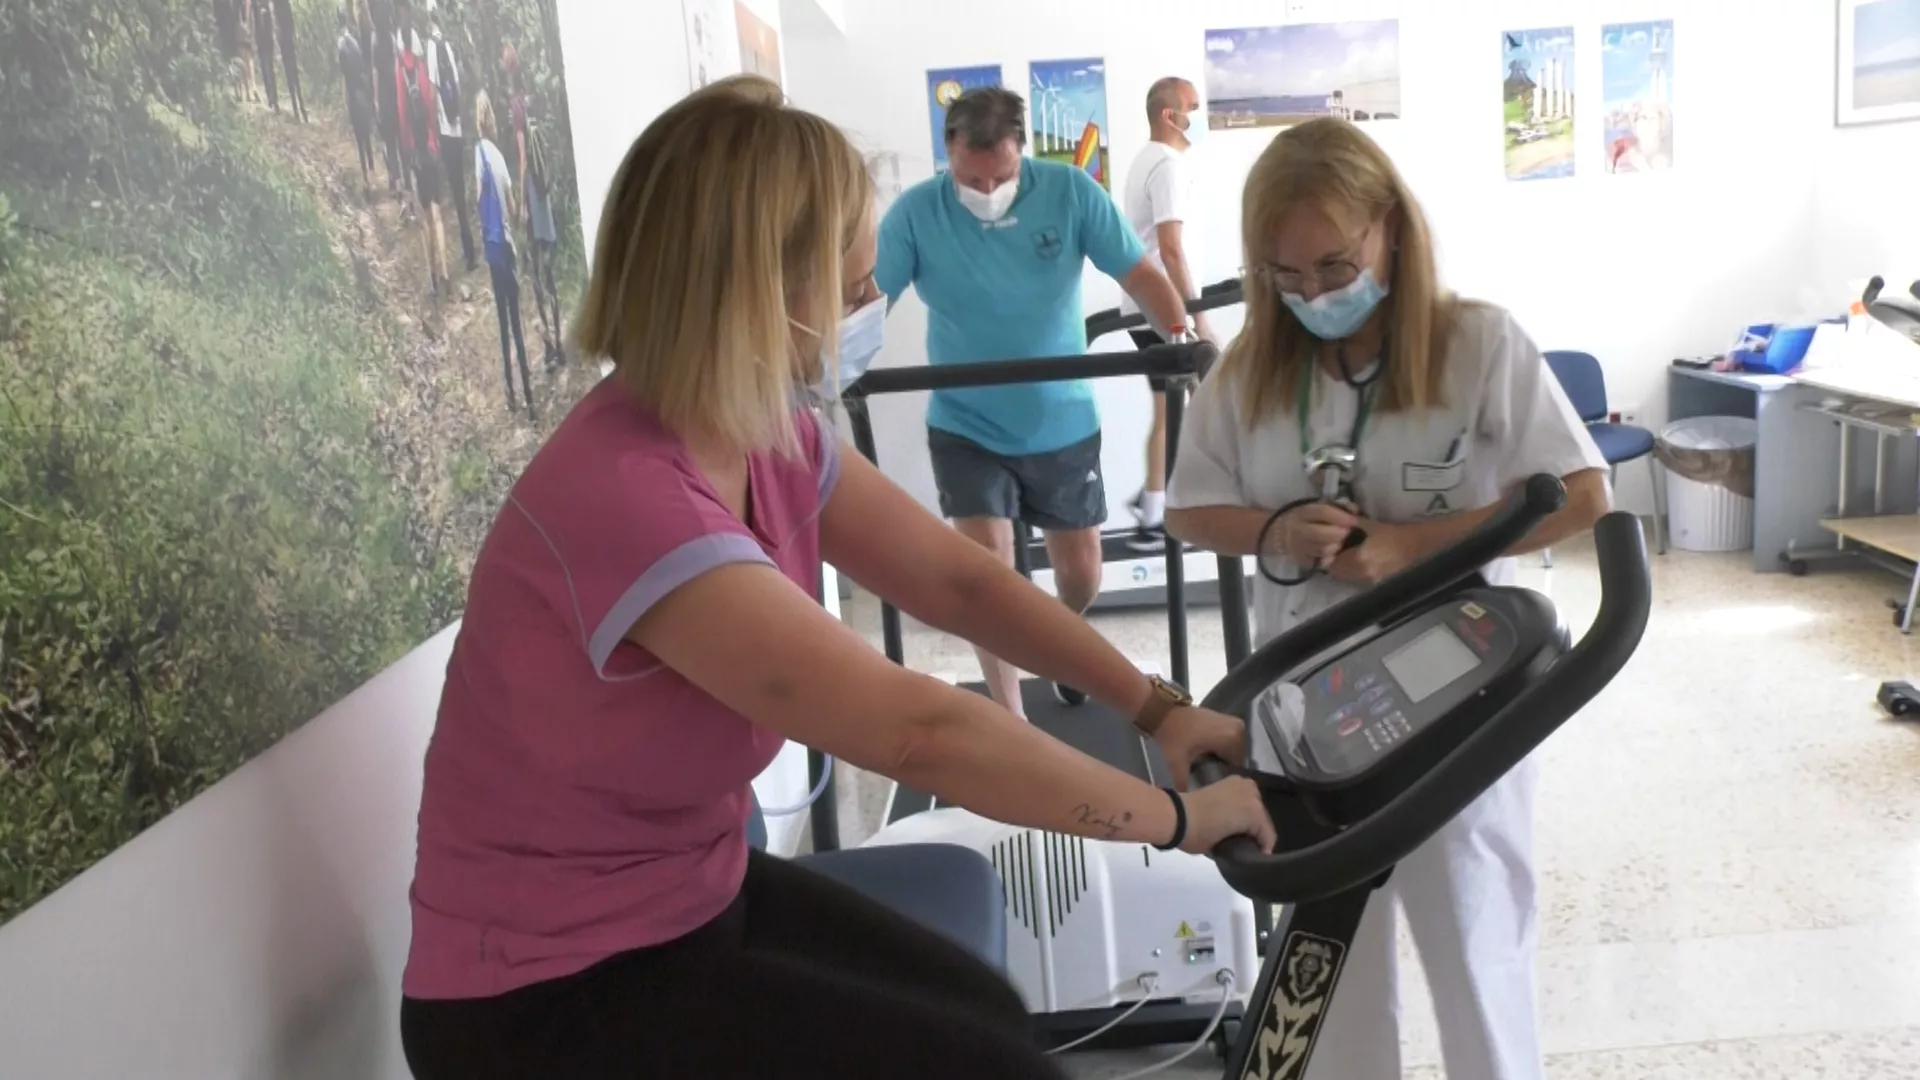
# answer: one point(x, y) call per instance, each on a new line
point(386, 92)
point(420, 137)
point(443, 70)
point(495, 185)
point(283, 26)
point(357, 83)
point(536, 206)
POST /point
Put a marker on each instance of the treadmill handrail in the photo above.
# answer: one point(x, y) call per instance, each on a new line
point(1188, 358)
point(1218, 295)
point(1368, 849)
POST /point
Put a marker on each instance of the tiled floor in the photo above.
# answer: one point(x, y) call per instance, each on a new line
point(1729, 837)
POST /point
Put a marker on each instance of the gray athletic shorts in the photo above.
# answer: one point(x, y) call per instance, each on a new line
point(1058, 490)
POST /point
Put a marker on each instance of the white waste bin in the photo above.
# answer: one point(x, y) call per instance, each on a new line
point(1709, 466)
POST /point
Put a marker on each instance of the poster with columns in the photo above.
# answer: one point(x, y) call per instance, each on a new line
point(1537, 102)
point(1636, 76)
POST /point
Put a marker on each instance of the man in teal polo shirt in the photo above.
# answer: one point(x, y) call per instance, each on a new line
point(995, 248)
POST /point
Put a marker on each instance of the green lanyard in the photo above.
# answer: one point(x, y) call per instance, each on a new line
point(1306, 410)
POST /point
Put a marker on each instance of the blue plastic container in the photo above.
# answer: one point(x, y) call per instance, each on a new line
point(1786, 347)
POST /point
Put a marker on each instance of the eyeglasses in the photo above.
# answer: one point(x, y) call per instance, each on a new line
point(1327, 277)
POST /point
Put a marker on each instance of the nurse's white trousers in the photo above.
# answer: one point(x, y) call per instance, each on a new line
point(1469, 898)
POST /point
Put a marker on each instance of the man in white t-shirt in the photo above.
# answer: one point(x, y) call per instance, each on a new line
point(1159, 205)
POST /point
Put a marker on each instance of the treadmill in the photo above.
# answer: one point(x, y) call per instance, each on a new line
point(1132, 579)
point(1381, 719)
point(1091, 727)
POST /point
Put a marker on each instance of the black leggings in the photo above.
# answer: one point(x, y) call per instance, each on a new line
point(506, 304)
point(800, 978)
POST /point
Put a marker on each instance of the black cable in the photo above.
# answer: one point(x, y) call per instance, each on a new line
point(1355, 537)
point(1260, 545)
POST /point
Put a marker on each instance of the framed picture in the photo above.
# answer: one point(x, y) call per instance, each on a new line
point(1877, 78)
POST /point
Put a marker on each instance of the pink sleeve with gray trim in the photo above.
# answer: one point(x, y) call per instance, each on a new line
point(658, 525)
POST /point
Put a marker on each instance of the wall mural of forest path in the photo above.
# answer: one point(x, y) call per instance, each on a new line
point(254, 420)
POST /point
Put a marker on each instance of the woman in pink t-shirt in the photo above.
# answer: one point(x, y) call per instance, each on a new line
point(643, 632)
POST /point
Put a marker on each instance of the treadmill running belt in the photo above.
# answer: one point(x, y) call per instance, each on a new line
point(1091, 728)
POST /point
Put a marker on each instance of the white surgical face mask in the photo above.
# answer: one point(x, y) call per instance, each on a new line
point(985, 206)
point(861, 336)
point(1196, 129)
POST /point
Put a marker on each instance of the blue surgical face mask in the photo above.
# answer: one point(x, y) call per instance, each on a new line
point(861, 335)
point(1336, 315)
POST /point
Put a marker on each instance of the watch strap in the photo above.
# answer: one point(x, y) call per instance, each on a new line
point(1165, 698)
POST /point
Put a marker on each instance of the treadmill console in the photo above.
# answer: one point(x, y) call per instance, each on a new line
point(1368, 721)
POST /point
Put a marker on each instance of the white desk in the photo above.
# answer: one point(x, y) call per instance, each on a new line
point(1893, 386)
point(1896, 389)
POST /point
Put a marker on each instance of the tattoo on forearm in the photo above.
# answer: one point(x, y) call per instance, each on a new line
point(1113, 823)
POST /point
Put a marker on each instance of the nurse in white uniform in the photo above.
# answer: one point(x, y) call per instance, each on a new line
point(1350, 341)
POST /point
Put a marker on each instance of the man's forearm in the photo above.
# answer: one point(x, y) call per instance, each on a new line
point(1156, 296)
point(1178, 271)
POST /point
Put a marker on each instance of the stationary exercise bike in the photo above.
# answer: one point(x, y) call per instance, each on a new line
point(1373, 724)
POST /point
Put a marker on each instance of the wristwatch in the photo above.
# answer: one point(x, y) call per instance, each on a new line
point(1165, 698)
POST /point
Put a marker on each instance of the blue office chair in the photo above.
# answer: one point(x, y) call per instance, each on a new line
point(1586, 388)
point(944, 887)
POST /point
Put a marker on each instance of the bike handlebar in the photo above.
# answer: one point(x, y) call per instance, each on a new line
point(1367, 850)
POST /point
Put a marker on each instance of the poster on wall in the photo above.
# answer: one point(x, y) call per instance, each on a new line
point(1636, 77)
point(1068, 99)
point(262, 385)
point(1278, 76)
point(1879, 70)
point(944, 87)
point(713, 41)
point(1537, 91)
point(759, 44)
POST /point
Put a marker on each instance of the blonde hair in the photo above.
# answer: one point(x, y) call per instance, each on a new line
point(725, 227)
point(1329, 165)
point(483, 115)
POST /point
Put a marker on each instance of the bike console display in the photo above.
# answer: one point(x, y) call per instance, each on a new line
point(1362, 725)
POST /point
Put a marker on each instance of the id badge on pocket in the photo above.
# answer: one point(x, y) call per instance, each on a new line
point(1426, 476)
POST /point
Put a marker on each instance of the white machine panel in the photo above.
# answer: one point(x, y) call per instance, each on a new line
point(1086, 919)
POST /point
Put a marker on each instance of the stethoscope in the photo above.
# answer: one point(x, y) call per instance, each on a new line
point(1333, 466)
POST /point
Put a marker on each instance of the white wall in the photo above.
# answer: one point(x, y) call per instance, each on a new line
point(260, 930)
point(1636, 269)
point(1864, 222)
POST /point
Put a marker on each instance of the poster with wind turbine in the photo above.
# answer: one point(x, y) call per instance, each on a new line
point(1069, 123)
